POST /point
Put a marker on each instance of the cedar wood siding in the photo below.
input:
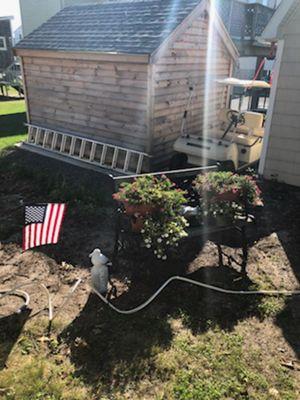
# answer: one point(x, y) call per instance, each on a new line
point(283, 153)
point(101, 100)
point(182, 64)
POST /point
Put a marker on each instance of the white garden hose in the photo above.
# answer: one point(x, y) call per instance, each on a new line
point(16, 289)
point(150, 300)
point(205, 285)
point(20, 293)
point(25, 295)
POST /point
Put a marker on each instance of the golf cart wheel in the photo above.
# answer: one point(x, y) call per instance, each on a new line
point(227, 165)
point(178, 161)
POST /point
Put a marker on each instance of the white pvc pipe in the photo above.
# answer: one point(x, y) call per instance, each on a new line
point(67, 298)
point(153, 297)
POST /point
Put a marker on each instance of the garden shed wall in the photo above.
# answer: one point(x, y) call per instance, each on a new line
point(103, 100)
point(184, 64)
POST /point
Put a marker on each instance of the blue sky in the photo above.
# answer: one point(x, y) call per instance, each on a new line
point(11, 8)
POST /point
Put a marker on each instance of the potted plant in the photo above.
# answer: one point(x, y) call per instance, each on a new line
point(163, 232)
point(154, 206)
point(224, 195)
point(217, 186)
point(140, 196)
point(225, 186)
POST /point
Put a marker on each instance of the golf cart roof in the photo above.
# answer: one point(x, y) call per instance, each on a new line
point(244, 83)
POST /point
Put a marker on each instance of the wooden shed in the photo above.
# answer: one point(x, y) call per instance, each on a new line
point(108, 83)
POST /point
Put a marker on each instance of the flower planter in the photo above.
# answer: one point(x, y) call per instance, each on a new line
point(229, 196)
point(140, 209)
point(137, 223)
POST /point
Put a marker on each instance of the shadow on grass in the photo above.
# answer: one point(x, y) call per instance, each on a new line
point(10, 330)
point(10, 98)
point(112, 349)
point(289, 319)
point(12, 124)
point(281, 215)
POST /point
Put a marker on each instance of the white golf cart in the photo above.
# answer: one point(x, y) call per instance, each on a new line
point(235, 145)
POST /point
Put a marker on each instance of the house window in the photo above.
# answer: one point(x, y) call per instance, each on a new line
point(3, 43)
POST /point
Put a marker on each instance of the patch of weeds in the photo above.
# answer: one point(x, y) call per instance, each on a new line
point(284, 384)
point(213, 366)
point(36, 372)
point(26, 345)
point(269, 307)
point(30, 378)
point(263, 282)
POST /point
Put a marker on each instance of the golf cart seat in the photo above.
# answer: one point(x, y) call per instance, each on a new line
point(253, 124)
point(245, 134)
point(242, 139)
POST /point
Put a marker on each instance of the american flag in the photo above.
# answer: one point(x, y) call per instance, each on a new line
point(42, 224)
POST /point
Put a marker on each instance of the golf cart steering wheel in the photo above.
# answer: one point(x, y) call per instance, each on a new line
point(235, 117)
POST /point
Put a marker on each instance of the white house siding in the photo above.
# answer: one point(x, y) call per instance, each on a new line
point(283, 153)
point(35, 12)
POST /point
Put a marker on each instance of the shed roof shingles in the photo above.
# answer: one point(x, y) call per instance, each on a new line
point(133, 28)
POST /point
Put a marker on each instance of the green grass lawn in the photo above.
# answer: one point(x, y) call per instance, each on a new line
point(12, 119)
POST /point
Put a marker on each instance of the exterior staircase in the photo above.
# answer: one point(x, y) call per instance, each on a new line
point(11, 76)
